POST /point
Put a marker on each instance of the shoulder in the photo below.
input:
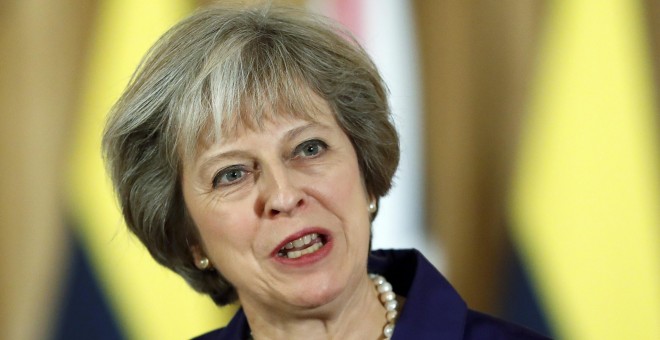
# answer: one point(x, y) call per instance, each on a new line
point(217, 334)
point(433, 308)
point(482, 326)
point(237, 329)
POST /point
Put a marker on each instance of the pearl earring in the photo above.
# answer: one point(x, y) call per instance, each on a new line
point(203, 263)
point(372, 206)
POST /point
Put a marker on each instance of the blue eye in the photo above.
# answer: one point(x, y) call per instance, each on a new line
point(228, 176)
point(310, 148)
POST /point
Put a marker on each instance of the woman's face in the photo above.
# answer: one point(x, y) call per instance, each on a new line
point(282, 212)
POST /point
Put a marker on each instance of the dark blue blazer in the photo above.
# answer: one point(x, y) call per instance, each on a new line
point(433, 309)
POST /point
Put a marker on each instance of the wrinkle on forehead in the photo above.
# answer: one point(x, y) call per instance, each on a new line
point(253, 114)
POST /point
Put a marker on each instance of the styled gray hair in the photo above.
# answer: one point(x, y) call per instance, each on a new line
point(225, 67)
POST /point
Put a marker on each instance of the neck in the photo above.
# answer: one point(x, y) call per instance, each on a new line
point(355, 313)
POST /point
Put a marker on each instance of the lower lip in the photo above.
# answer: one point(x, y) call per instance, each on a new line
point(307, 259)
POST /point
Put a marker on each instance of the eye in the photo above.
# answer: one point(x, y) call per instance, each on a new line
point(310, 148)
point(229, 175)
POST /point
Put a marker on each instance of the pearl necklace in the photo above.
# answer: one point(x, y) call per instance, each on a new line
point(388, 299)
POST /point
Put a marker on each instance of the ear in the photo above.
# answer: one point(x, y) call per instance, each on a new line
point(373, 205)
point(197, 253)
point(201, 261)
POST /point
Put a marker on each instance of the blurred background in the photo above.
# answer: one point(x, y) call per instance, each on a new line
point(530, 173)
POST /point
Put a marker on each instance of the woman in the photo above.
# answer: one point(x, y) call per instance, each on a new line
point(248, 154)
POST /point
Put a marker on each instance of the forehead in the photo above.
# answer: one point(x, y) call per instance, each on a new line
point(256, 118)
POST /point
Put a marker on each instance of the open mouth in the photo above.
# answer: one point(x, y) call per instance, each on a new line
point(307, 244)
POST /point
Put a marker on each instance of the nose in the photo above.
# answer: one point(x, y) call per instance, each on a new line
point(281, 191)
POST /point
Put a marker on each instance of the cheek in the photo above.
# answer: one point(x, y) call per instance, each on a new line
point(345, 189)
point(224, 228)
point(228, 240)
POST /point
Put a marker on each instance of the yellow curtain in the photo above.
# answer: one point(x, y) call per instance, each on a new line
point(149, 301)
point(586, 198)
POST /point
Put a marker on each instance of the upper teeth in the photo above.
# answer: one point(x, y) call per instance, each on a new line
point(305, 240)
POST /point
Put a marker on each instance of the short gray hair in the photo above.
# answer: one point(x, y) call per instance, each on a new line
point(229, 66)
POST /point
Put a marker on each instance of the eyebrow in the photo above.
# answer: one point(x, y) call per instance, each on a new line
point(288, 136)
point(293, 133)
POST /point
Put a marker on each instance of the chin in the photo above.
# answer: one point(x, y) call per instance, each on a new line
point(314, 295)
